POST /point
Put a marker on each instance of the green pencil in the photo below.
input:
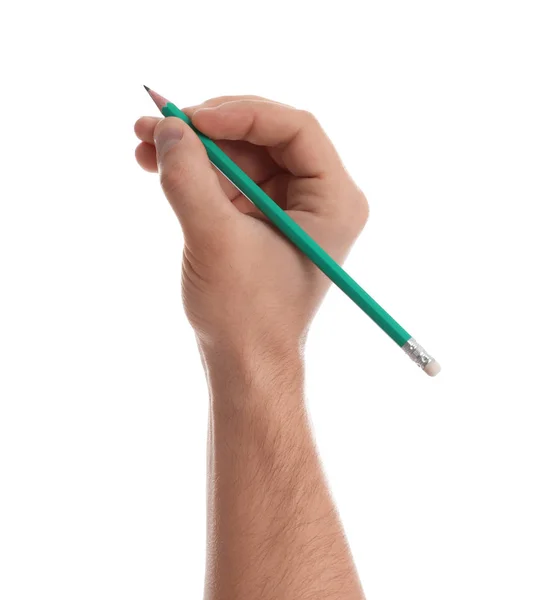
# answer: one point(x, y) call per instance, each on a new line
point(288, 227)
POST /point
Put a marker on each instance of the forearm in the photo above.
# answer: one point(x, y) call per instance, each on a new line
point(273, 531)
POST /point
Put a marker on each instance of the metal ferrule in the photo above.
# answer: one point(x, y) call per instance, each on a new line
point(417, 353)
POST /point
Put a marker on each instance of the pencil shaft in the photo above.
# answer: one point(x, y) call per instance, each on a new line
point(295, 233)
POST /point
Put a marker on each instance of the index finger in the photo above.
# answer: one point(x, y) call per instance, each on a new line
point(294, 138)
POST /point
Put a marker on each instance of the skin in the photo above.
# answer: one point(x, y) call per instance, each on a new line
point(273, 529)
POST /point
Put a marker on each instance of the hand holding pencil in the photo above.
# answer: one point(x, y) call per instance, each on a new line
point(244, 285)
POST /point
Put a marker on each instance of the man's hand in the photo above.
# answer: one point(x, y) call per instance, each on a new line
point(244, 285)
point(273, 530)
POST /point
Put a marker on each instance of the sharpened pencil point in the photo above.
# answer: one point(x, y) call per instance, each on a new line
point(160, 101)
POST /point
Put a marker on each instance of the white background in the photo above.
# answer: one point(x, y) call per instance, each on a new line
point(442, 112)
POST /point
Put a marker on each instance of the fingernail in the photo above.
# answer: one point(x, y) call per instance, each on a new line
point(166, 137)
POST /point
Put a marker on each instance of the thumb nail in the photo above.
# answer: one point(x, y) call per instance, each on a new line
point(166, 137)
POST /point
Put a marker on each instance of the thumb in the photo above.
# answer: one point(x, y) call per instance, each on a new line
point(189, 181)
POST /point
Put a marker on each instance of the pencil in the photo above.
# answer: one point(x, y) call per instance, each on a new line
point(305, 243)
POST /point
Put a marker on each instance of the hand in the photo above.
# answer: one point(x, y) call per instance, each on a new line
point(245, 287)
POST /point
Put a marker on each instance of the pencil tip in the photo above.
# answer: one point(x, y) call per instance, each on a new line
point(160, 101)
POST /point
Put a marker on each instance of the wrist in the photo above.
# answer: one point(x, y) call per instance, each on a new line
point(250, 373)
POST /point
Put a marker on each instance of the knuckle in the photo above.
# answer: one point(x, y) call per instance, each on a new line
point(309, 118)
point(355, 212)
point(363, 208)
point(171, 179)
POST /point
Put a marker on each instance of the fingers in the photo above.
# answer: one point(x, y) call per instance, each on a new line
point(144, 128)
point(212, 102)
point(296, 140)
point(145, 152)
point(190, 184)
point(266, 139)
point(146, 157)
point(255, 161)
